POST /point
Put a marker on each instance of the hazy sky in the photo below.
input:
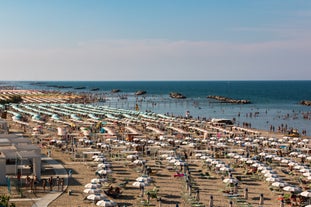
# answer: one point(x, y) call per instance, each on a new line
point(155, 39)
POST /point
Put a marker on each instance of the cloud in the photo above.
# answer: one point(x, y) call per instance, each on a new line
point(158, 59)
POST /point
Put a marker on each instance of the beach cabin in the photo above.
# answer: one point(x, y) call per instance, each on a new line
point(18, 156)
point(4, 129)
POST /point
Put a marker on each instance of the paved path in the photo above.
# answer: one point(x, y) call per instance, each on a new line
point(59, 171)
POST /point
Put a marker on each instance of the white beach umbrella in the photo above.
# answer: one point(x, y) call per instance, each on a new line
point(144, 179)
point(265, 171)
point(292, 164)
point(298, 167)
point(269, 175)
point(307, 174)
point(98, 180)
point(230, 180)
point(225, 169)
point(278, 184)
point(292, 189)
point(294, 154)
point(96, 197)
point(99, 159)
point(285, 161)
point(179, 163)
point(256, 164)
point(264, 168)
point(306, 194)
point(129, 157)
point(139, 162)
point(273, 179)
point(231, 154)
point(220, 165)
point(92, 191)
point(277, 158)
point(204, 157)
point(102, 172)
point(92, 185)
point(103, 165)
point(139, 184)
point(106, 203)
point(302, 156)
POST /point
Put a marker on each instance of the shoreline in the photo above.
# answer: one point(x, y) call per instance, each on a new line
point(84, 170)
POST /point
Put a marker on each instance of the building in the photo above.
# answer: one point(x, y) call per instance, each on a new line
point(18, 156)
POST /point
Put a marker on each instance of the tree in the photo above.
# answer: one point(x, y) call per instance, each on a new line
point(4, 201)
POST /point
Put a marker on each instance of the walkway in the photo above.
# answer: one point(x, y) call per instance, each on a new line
point(51, 196)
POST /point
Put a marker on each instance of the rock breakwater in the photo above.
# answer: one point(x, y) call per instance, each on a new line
point(224, 99)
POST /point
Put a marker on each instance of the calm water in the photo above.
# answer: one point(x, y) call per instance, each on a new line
point(274, 102)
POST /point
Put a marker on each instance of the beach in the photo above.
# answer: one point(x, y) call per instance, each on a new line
point(192, 161)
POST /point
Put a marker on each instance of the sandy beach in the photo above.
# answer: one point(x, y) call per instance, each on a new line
point(191, 164)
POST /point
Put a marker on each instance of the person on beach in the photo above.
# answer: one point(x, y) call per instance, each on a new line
point(51, 183)
point(58, 183)
point(62, 182)
point(43, 184)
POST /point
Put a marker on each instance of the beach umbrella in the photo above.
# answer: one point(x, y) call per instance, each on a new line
point(92, 185)
point(225, 169)
point(99, 159)
point(130, 157)
point(203, 157)
point(92, 191)
point(278, 184)
point(98, 180)
point(139, 184)
point(230, 180)
point(302, 156)
point(144, 179)
point(285, 161)
point(139, 162)
point(179, 163)
point(306, 194)
point(307, 174)
point(272, 179)
point(106, 203)
point(103, 165)
point(293, 154)
point(269, 175)
point(95, 197)
point(304, 170)
point(104, 172)
point(298, 167)
point(292, 189)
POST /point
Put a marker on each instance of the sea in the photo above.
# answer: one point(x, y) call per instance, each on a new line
point(273, 103)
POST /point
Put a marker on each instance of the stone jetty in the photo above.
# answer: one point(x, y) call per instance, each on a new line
point(177, 95)
point(305, 102)
point(224, 99)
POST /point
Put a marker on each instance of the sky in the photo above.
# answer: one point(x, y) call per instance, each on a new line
point(155, 40)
